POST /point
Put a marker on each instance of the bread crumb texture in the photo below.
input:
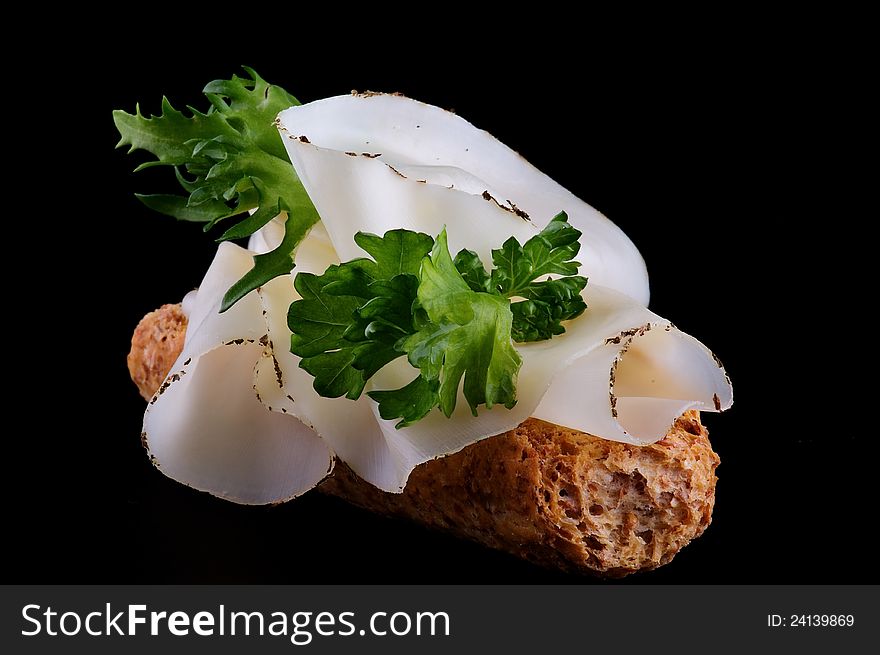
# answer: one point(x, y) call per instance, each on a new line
point(155, 344)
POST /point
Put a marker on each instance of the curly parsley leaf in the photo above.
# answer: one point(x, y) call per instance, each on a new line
point(453, 319)
point(230, 160)
point(548, 304)
point(350, 319)
point(410, 403)
point(517, 269)
point(467, 335)
point(550, 251)
point(468, 263)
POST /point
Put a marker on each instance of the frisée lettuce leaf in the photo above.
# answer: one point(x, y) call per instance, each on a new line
point(232, 165)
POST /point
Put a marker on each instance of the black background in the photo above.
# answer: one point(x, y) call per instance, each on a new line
point(687, 140)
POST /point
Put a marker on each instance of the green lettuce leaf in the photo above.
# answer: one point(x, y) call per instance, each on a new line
point(230, 161)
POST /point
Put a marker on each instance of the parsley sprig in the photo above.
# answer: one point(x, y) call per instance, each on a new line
point(451, 318)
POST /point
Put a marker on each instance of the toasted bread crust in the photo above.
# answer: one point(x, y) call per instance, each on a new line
point(554, 496)
point(562, 498)
point(155, 344)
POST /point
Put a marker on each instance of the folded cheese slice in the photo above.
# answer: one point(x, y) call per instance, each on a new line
point(206, 425)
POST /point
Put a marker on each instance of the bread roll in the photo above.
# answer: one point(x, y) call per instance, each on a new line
point(554, 496)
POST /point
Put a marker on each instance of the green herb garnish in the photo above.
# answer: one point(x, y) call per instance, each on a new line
point(350, 319)
point(451, 318)
point(229, 160)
